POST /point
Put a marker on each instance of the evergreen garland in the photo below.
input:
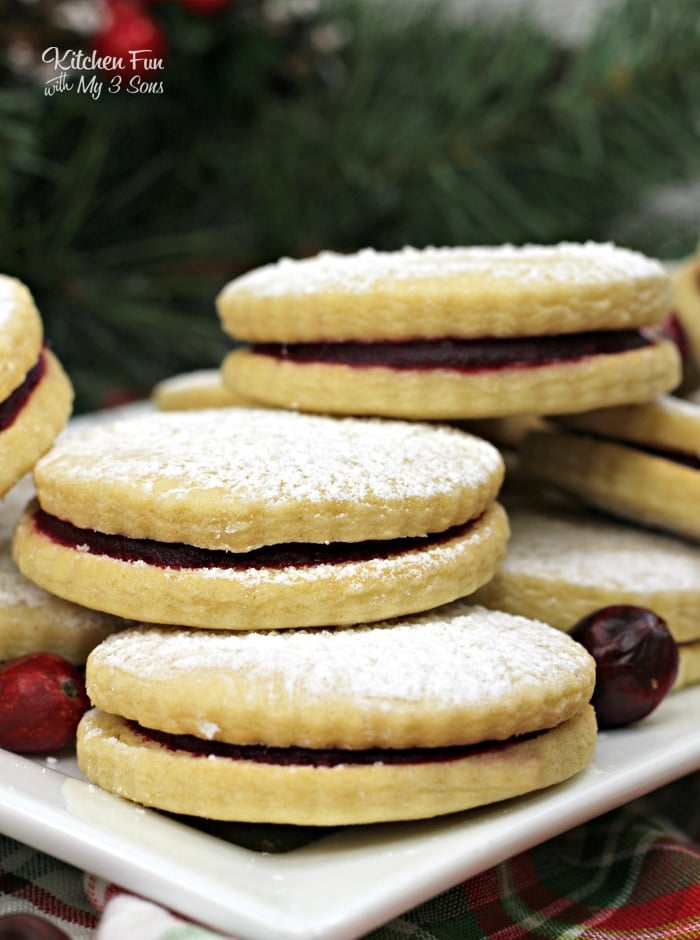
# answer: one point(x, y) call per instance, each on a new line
point(351, 124)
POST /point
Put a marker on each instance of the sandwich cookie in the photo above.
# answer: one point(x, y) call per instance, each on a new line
point(452, 333)
point(249, 518)
point(639, 462)
point(202, 388)
point(564, 563)
point(31, 619)
point(408, 719)
point(36, 396)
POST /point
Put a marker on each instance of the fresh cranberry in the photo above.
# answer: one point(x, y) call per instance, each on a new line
point(42, 699)
point(636, 661)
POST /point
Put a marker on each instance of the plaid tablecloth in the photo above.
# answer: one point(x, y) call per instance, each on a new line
point(632, 873)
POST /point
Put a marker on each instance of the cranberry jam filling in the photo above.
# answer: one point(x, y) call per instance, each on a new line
point(460, 355)
point(180, 555)
point(11, 406)
point(319, 757)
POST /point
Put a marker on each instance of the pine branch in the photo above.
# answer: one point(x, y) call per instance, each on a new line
point(346, 128)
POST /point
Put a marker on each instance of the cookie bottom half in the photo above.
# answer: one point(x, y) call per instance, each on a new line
point(266, 597)
point(440, 393)
point(117, 758)
point(36, 425)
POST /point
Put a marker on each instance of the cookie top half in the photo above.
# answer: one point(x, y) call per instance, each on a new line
point(21, 334)
point(460, 674)
point(469, 292)
point(241, 478)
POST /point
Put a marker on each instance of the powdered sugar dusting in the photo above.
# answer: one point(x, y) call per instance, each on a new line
point(566, 263)
point(458, 655)
point(592, 552)
point(262, 455)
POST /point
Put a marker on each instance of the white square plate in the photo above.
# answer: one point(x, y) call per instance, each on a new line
point(348, 881)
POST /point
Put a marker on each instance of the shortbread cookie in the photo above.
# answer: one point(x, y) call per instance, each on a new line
point(36, 396)
point(452, 333)
point(638, 462)
point(31, 619)
point(202, 388)
point(258, 518)
point(401, 720)
point(564, 563)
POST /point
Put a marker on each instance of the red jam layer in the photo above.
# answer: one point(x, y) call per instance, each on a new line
point(180, 555)
point(460, 355)
point(318, 757)
point(11, 407)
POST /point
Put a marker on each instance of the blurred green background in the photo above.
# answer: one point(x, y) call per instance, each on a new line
point(287, 127)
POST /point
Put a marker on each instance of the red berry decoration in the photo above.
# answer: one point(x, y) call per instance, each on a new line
point(42, 699)
point(131, 41)
point(636, 661)
point(29, 927)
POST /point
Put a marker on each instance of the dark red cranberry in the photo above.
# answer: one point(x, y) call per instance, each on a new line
point(636, 661)
point(29, 927)
point(42, 699)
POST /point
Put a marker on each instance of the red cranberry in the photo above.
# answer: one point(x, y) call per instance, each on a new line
point(29, 927)
point(42, 699)
point(636, 661)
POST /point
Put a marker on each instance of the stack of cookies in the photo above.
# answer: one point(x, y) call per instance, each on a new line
point(305, 571)
point(287, 540)
point(637, 468)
